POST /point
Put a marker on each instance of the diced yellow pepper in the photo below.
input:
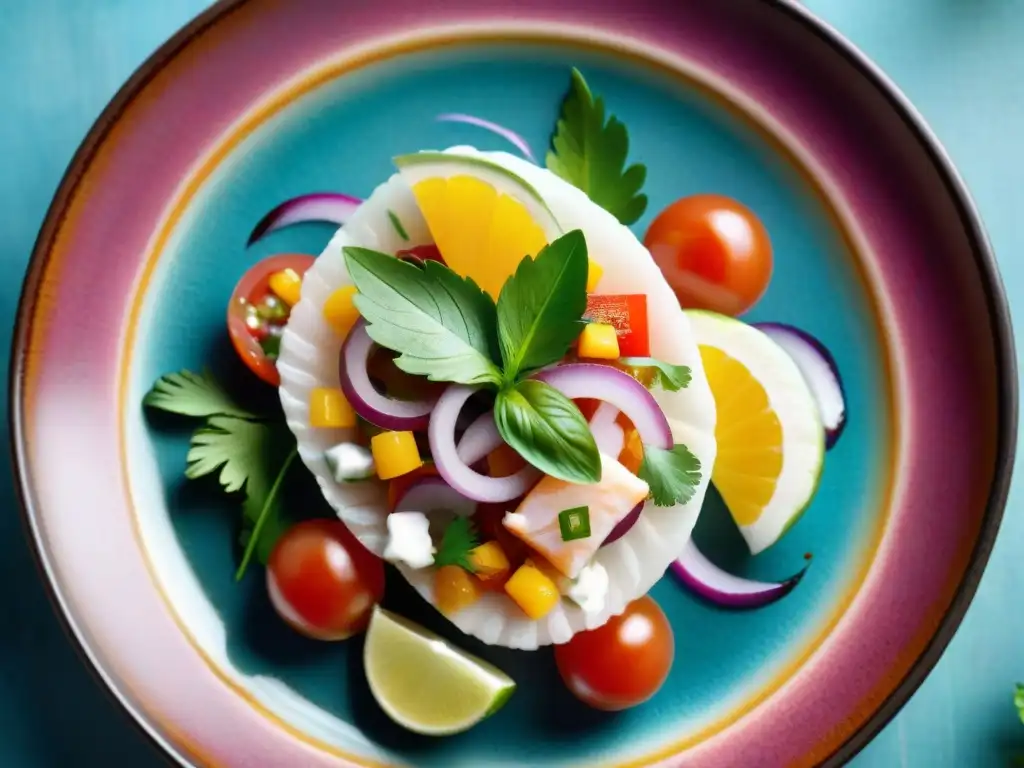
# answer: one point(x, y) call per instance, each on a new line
point(394, 454)
point(599, 341)
point(594, 273)
point(489, 561)
point(286, 285)
point(632, 455)
point(340, 311)
point(532, 591)
point(329, 408)
point(454, 589)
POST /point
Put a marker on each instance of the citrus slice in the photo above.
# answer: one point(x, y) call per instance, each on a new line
point(484, 218)
point(426, 685)
point(771, 441)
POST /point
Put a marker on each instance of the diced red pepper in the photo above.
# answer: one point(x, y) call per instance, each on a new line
point(628, 314)
point(421, 253)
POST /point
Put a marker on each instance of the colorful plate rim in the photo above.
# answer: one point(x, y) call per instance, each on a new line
point(995, 299)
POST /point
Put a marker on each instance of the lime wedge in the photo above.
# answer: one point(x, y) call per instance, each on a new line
point(426, 685)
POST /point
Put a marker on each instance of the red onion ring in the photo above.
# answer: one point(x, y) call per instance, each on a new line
point(480, 438)
point(378, 409)
point(331, 207)
point(457, 473)
point(617, 388)
point(710, 582)
point(509, 135)
point(622, 527)
point(431, 494)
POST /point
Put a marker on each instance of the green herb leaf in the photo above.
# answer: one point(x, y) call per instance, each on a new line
point(540, 307)
point(192, 394)
point(268, 514)
point(1018, 700)
point(574, 523)
point(672, 475)
point(442, 325)
point(457, 542)
point(548, 430)
point(397, 224)
point(245, 455)
point(669, 377)
point(591, 155)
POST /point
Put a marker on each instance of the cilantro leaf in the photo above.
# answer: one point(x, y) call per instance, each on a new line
point(672, 475)
point(540, 307)
point(397, 224)
point(669, 377)
point(1018, 700)
point(591, 154)
point(457, 542)
point(192, 394)
point(548, 430)
point(267, 524)
point(442, 325)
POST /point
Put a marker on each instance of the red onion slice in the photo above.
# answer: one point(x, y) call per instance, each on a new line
point(819, 370)
point(618, 389)
point(509, 135)
point(378, 409)
point(480, 438)
point(456, 472)
point(622, 527)
point(433, 494)
point(330, 207)
point(710, 582)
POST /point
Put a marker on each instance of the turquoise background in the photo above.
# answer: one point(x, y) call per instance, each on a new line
point(959, 62)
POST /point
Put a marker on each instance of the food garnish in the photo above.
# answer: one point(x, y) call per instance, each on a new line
point(508, 134)
point(246, 452)
point(574, 523)
point(457, 545)
point(322, 581)
point(704, 578)
point(329, 207)
point(426, 684)
point(590, 154)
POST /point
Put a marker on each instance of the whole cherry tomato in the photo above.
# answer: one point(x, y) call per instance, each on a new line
point(250, 324)
point(322, 581)
point(621, 663)
point(713, 251)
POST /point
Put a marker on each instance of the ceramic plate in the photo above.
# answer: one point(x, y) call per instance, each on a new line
point(878, 252)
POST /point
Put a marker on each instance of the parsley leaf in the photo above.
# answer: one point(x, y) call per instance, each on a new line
point(669, 377)
point(457, 542)
point(540, 307)
point(548, 430)
point(672, 475)
point(591, 155)
point(267, 524)
point(192, 394)
point(442, 325)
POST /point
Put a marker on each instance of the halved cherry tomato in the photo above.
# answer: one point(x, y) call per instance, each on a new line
point(713, 251)
point(621, 663)
point(322, 581)
point(251, 290)
point(628, 315)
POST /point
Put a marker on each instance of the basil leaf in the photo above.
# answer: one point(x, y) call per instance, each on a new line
point(548, 430)
point(669, 377)
point(540, 307)
point(442, 325)
point(672, 475)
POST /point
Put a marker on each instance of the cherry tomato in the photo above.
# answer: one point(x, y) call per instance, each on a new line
point(714, 252)
point(250, 291)
point(322, 581)
point(621, 663)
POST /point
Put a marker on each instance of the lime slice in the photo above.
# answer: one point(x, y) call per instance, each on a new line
point(771, 441)
point(508, 219)
point(426, 685)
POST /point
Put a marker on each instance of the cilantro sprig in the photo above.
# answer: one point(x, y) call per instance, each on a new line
point(457, 543)
point(245, 452)
point(672, 475)
point(669, 377)
point(444, 327)
point(590, 154)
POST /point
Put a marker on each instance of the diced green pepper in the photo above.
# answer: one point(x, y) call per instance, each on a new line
point(574, 523)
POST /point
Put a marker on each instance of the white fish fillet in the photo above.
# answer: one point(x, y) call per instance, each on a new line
point(309, 358)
